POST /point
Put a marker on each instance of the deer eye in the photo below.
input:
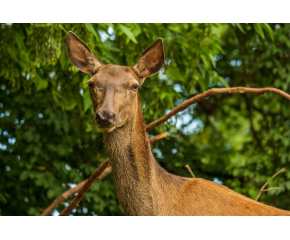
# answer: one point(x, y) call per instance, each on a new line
point(91, 84)
point(134, 87)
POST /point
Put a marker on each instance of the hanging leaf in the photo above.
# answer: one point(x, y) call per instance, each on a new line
point(268, 30)
point(128, 32)
point(174, 74)
point(90, 27)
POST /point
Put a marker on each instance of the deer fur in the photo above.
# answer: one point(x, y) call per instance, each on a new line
point(142, 185)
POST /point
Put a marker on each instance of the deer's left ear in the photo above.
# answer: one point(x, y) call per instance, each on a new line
point(151, 60)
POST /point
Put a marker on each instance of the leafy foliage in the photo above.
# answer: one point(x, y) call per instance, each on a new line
point(49, 143)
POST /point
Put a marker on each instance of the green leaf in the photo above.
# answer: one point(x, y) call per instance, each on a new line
point(268, 30)
point(174, 74)
point(41, 84)
point(61, 26)
point(225, 83)
point(258, 29)
point(87, 100)
point(128, 32)
point(240, 27)
point(90, 27)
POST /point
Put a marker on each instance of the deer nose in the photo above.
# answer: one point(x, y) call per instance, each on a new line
point(105, 119)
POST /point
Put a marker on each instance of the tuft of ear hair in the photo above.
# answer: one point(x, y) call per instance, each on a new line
point(151, 60)
point(81, 55)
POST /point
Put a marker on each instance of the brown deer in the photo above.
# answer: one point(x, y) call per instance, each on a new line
point(143, 186)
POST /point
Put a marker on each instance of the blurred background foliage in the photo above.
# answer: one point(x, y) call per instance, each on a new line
point(48, 142)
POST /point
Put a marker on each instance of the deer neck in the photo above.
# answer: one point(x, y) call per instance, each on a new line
point(132, 164)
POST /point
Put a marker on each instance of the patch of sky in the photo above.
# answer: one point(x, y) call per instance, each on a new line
point(167, 62)
point(1, 105)
point(66, 204)
point(104, 36)
point(161, 74)
point(11, 140)
point(72, 185)
point(82, 92)
point(51, 75)
point(40, 115)
point(111, 32)
point(7, 113)
point(2, 115)
point(211, 84)
point(22, 121)
point(28, 76)
point(55, 213)
point(277, 26)
point(16, 121)
point(74, 210)
point(158, 153)
point(227, 79)
point(174, 150)
point(233, 63)
point(177, 88)
point(85, 210)
point(18, 157)
point(216, 180)
point(3, 87)
point(8, 24)
point(5, 133)
point(218, 57)
point(188, 125)
point(67, 167)
point(26, 199)
point(8, 168)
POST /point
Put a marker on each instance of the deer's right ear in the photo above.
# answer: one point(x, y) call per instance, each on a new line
point(81, 55)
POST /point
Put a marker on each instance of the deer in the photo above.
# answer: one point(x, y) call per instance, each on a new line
point(143, 187)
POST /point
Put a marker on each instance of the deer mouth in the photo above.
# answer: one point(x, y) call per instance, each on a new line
point(106, 129)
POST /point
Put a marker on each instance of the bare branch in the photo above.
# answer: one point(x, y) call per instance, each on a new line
point(71, 192)
point(262, 189)
point(189, 170)
point(96, 178)
point(158, 137)
point(209, 93)
point(269, 189)
point(74, 203)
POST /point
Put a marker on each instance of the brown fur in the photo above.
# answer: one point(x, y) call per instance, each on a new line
point(143, 186)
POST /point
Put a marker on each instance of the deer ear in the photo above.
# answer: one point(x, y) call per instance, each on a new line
point(151, 60)
point(81, 55)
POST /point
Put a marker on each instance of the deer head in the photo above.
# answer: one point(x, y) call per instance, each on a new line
point(113, 88)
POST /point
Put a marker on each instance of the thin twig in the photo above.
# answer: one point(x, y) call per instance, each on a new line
point(262, 189)
point(189, 170)
point(55, 204)
point(269, 189)
point(209, 93)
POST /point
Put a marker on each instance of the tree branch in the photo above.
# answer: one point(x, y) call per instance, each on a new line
point(212, 92)
point(93, 178)
point(262, 189)
point(67, 194)
point(75, 202)
point(189, 170)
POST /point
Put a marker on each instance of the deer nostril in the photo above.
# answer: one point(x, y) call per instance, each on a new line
point(99, 117)
point(104, 120)
point(111, 117)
